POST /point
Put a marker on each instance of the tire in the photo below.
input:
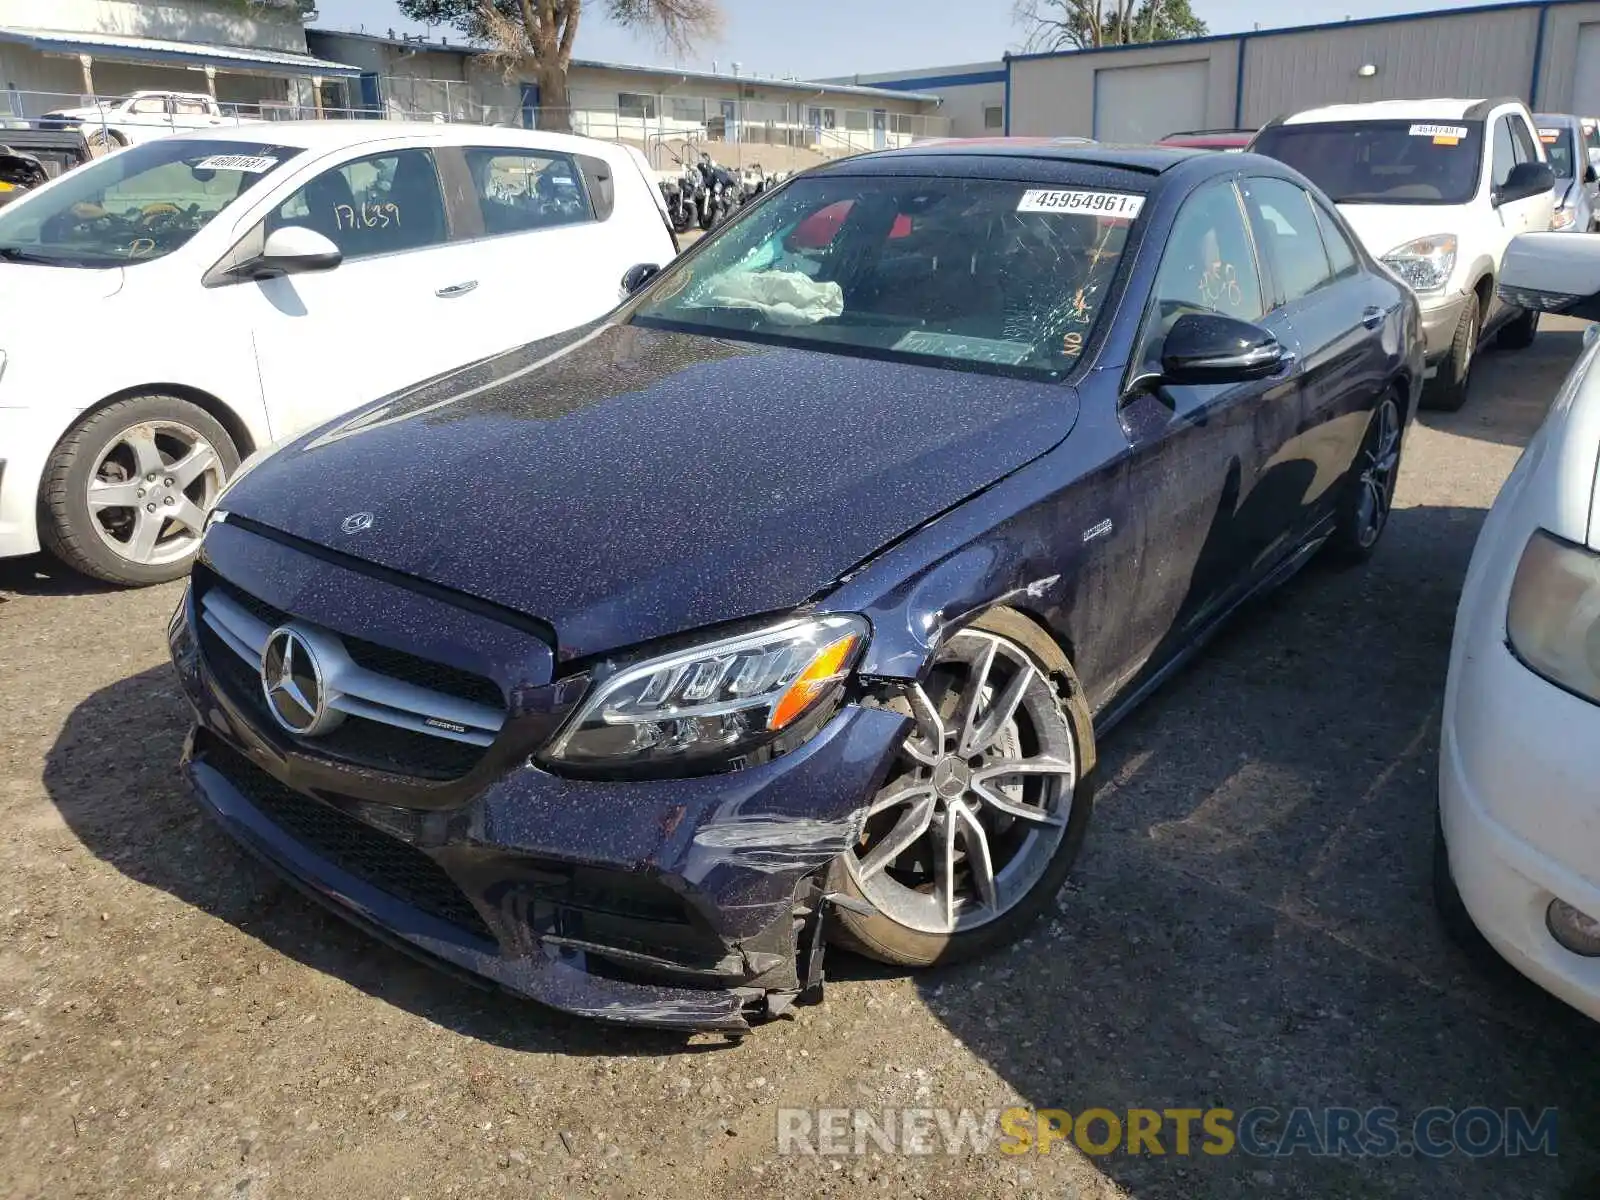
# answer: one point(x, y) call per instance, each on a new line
point(910, 925)
point(1447, 391)
point(1519, 334)
point(1368, 499)
point(114, 452)
point(104, 141)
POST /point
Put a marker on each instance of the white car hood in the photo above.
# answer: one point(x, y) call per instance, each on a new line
point(1383, 227)
point(58, 298)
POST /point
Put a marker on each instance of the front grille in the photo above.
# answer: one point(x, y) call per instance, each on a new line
point(439, 743)
point(397, 664)
point(392, 866)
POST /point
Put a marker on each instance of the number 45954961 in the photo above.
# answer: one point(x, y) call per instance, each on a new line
point(1102, 204)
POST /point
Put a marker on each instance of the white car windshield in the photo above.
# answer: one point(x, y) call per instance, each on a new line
point(1382, 162)
point(134, 206)
point(972, 273)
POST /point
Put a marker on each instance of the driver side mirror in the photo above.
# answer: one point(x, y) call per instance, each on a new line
point(636, 276)
point(1526, 179)
point(293, 250)
point(1204, 348)
point(1590, 175)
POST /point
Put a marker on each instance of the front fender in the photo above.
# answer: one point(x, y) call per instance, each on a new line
point(1027, 542)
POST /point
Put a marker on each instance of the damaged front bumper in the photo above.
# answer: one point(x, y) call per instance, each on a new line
point(692, 904)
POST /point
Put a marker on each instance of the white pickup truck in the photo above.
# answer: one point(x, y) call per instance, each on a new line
point(140, 117)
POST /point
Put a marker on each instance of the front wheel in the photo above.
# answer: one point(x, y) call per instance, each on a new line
point(127, 491)
point(974, 832)
point(103, 141)
point(1447, 390)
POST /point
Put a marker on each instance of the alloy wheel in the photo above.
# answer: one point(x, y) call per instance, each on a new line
point(151, 488)
point(1380, 462)
point(981, 799)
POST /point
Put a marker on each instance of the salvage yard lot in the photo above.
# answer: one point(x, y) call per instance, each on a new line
point(1250, 924)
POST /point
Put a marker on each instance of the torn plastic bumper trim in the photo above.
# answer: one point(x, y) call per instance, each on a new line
point(550, 977)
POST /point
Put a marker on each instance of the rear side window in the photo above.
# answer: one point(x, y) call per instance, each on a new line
point(1341, 254)
point(521, 190)
point(1504, 151)
point(1287, 231)
point(382, 204)
point(1526, 150)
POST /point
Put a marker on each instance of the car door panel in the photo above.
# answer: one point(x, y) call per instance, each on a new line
point(1195, 451)
point(1338, 314)
point(399, 309)
point(551, 253)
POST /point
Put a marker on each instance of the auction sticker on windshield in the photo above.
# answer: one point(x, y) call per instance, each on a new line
point(1442, 135)
point(250, 164)
point(1125, 205)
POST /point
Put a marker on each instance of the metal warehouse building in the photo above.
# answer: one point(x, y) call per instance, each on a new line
point(1547, 52)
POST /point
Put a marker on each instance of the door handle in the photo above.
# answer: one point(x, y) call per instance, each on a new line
point(1372, 316)
point(457, 289)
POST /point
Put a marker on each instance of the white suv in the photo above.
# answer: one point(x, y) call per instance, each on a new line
point(1436, 189)
point(175, 305)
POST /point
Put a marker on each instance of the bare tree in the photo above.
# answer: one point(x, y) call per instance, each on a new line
point(537, 36)
point(1087, 24)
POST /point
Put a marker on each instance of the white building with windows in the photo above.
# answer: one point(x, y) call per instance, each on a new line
point(650, 106)
point(972, 96)
point(55, 53)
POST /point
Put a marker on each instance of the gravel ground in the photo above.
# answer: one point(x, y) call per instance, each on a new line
point(1250, 924)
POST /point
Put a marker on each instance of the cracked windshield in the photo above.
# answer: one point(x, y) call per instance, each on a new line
point(974, 273)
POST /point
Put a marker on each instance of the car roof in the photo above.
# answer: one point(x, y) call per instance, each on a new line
point(338, 135)
point(1443, 109)
point(1145, 160)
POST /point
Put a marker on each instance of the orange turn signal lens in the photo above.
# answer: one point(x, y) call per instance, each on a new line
point(827, 668)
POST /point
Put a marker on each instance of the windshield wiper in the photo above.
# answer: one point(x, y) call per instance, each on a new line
point(18, 255)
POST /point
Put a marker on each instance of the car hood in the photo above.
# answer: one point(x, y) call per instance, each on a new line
point(625, 483)
point(1382, 227)
point(32, 295)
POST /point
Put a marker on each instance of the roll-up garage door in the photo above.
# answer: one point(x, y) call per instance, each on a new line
point(1144, 104)
point(1586, 86)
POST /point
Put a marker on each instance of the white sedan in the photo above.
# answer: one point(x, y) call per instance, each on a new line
point(1519, 776)
point(140, 117)
point(170, 308)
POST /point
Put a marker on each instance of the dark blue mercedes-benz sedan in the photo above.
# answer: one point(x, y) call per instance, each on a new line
point(786, 605)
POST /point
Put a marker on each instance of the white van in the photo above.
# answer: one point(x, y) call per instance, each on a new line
point(1436, 189)
point(175, 305)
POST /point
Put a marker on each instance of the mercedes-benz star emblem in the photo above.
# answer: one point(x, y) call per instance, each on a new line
point(291, 679)
point(356, 522)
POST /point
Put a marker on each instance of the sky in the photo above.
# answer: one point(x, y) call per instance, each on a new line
point(821, 38)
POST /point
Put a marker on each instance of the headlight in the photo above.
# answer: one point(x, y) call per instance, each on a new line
point(1563, 218)
point(1554, 619)
point(1425, 263)
point(721, 704)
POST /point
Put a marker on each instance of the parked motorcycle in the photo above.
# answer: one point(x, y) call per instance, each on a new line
point(680, 192)
point(723, 192)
